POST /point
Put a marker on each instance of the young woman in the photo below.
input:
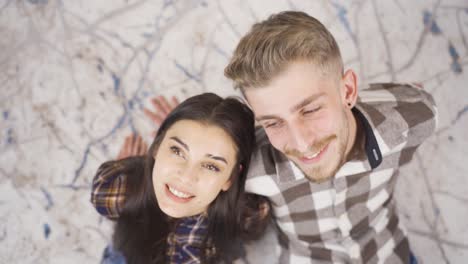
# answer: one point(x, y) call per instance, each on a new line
point(184, 201)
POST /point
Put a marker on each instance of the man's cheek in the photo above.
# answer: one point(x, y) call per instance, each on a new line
point(277, 139)
point(277, 142)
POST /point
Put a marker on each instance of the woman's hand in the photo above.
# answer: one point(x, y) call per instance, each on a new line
point(163, 108)
point(133, 146)
point(256, 216)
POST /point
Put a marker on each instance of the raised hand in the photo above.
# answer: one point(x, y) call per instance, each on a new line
point(163, 107)
point(133, 146)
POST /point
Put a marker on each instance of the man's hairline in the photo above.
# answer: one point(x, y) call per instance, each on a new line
point(269, 81)
point(325, 70)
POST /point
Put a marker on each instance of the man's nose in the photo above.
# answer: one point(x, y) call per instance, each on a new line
point(300, 137)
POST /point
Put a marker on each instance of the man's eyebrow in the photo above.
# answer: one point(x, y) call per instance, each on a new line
point(298, 106)
point(306, 101)
point(266, 117)
point(178, 140)
point(217, 158)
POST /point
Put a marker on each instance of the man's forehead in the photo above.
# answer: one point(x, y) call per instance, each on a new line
point(262, 101)
point(294, 92)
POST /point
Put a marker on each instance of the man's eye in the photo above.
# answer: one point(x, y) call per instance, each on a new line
point(271, 125)
point(311, 110)
point(176, 151)
point(212, 167)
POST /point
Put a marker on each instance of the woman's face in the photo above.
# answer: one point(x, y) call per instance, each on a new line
point(192, 165)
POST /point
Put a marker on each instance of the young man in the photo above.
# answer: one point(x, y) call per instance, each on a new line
point(326, 157)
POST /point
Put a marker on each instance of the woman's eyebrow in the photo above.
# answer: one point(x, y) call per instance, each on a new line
point(217, 158)
point(178, 140)
point(211, 156)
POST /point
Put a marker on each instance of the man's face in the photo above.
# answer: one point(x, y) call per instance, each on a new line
point(306, 115)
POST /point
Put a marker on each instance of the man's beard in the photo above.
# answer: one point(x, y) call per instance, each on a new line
point(322, 172)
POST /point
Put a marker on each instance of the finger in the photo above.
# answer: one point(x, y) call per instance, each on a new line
point(121, 154)
point(159, 105)
point(264, 209)
point(128, 147)
point(139, 146)
point(156, 118)
point(175, 102)
point(143, 148)
point(135, 145)
point(123, 148)
point(165, 104)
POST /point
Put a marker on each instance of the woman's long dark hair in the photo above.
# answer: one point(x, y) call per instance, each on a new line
point(142, 227)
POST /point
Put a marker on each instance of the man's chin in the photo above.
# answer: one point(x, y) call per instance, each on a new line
point(319, 179)
point(317, 174)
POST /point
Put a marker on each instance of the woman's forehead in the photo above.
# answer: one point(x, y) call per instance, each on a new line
point(202, 138)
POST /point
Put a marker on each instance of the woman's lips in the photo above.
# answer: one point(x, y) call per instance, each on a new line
point(178, 196)
point(316, 157)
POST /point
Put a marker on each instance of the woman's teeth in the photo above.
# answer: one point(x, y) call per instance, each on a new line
point(179, 193)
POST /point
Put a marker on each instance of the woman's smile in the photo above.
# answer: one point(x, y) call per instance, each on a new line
point(177, 195)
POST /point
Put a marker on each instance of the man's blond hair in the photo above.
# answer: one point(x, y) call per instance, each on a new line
point(271, 45)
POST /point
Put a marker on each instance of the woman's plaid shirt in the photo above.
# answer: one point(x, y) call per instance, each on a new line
point(184, 245)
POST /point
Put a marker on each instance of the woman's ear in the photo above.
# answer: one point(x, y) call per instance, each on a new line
point(226, 185)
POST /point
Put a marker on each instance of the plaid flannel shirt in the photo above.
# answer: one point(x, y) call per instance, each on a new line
point(350, 218)
point(108, 197)
point(185, 243)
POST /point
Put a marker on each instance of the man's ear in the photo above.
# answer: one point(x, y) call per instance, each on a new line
point(349, 87)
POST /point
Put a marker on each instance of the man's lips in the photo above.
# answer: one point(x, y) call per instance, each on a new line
point(318, 151)
point(178, 195)
point(314, 157)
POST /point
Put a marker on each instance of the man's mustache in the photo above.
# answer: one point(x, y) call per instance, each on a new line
point(316, 147)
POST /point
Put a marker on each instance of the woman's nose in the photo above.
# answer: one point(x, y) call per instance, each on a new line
point(188, 174)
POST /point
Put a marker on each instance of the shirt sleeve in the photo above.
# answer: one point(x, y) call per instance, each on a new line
point(417, 107)
point(108, 189)
point(407, 106)
point(403, 115)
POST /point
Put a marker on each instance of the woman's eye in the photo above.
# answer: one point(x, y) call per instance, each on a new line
point(211, 167)
point(176, 151)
